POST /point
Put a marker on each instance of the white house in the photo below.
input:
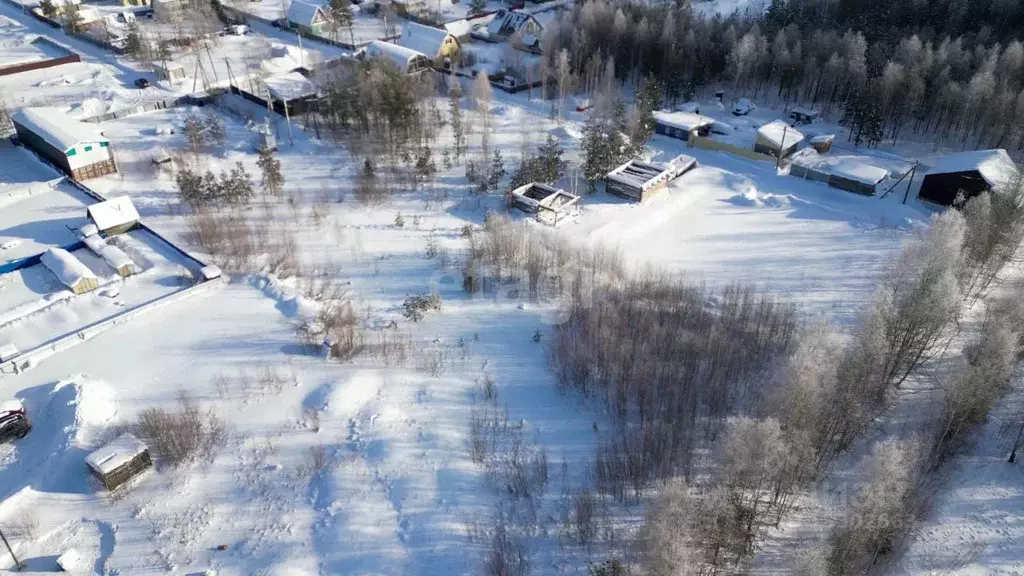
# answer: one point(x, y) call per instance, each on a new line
point(73, 146)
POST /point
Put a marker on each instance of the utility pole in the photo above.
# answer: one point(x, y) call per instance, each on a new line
point(1016, 443)
point(782, 145)
point(17, 564)
point(912, 171)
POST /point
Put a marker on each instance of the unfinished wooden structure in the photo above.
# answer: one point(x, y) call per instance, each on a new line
point(119, 461)
point(551, 205)
point(639, 180)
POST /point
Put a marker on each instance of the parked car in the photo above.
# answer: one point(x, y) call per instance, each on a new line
point(14, 422)
point(237, 29)
point(743, 107)
point(141, 83)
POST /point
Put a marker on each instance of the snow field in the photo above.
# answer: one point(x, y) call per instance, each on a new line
point(362, 468)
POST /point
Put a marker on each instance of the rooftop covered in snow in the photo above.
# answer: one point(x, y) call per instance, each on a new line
point(115, 454)
point(290, 86)
point(55, 127)
point(424, 39)
point(780, 134)
point(995, 166)
point(304, 13)
point(113, 213)
point(683, 120)
point(68, 269)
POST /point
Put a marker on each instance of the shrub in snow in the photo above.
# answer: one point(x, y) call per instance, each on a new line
point(414, 307)
point(882, 511)
point(179, 436)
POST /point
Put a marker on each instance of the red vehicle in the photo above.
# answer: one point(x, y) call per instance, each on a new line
point(14, 422)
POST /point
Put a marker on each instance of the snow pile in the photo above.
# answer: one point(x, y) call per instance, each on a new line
point(754, 199)
point(347, 399)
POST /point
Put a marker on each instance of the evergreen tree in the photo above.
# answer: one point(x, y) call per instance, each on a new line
point(604, 146)
point(339, 12)
point(133, 45)
point(235, 187)
point(272, 181)
point(48, 8)
point(477, 6)
point(648, 99)
point(496, 172)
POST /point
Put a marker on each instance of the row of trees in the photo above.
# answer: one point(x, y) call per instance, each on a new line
point(965, 89)
point(826, 397)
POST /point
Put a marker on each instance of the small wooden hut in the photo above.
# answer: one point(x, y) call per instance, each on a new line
point(119, 461)
point(69, 270)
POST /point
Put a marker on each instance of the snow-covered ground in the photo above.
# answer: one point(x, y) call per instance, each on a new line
point(397, 491)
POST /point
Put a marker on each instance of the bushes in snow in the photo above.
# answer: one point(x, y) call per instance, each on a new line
point(970, 391)
point(179, 436)
point(415, 306)
point(995, 229)
point(882, 510)
point(669, 367)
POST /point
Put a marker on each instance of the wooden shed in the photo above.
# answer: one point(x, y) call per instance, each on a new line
point(112, 255)
point(69, 270)
point(119, 461)
point(777, 139)
point(114, 216)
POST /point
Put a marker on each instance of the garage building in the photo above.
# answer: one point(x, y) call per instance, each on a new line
point(72, 146)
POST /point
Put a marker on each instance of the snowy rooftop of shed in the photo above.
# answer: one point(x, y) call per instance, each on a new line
point(111, 254)
point(116, 454)
point(290, 86)
point(303, 12)
point(682, 120)
point(777, 131)
point(995, 166)
point(113, 212)
point(56, 128)
point(856, 168)
point(68, 269)
point(459, 28)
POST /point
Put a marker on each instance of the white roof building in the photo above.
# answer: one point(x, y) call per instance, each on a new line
point(56, 128)
point(113, 213)
point(73, 146)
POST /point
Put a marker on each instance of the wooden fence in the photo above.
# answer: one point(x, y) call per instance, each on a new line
point(706, 143)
